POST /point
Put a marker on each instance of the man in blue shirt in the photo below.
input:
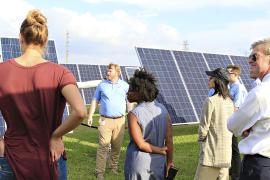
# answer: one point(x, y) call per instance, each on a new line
point(238, 93)
point(111, 95)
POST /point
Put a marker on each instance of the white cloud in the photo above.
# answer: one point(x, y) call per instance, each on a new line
point(109, 36)
point(164, 5)
point(12, 13)
point(236, 38)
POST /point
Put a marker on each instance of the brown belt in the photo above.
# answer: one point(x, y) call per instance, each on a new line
point(116, 117)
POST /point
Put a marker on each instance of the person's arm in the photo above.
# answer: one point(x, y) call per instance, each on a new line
point(2, 147)
point(169, 143)
point(246, 116)
point(94, 104)
point(130, 106)
point(205, 119)
point(239, 97)
point(74, 99)
point(92, 109)
point(136, 134)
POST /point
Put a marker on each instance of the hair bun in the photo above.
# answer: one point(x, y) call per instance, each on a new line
point(35, 17)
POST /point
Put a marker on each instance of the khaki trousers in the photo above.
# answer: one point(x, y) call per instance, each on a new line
point(211, 173)
point(111, 132)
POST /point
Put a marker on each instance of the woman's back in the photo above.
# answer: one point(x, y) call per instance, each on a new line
point(152, 119)
point(32, 105)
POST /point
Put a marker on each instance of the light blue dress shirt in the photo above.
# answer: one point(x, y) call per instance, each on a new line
point(238, 93)
point(112, 98)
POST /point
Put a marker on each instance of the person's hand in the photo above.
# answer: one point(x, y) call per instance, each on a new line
point(163, 150)
point(90, 120)
point(56, 148)
point(246, 133)
point(2, 147)
point(169, 164)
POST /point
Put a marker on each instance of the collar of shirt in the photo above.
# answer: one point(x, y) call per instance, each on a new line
point(266, 78)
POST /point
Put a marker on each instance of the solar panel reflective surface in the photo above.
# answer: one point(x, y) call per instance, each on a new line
point(74, 69)
point(193, 67)
point(172, 91)
point(130, 71)
point(103, 69)
point(11, 49)
point(217, 60)
point(123, 74)
point(88, 73)
point(50, 52)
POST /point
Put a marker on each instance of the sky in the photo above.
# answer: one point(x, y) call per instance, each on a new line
point(104, 31)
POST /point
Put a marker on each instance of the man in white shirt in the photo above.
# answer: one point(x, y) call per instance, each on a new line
point(252, 120)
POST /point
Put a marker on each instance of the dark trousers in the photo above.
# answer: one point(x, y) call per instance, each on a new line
point(255, 167)
point(236, 160)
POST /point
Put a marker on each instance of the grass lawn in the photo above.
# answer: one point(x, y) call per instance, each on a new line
point(81, 148)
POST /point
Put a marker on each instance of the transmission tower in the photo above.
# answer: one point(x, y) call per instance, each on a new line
point(185, 45)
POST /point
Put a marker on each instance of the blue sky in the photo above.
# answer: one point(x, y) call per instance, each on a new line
point(103, 31)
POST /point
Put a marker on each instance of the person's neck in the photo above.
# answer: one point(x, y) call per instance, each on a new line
point(114, 80)
point(234, 81)
point(32, 55)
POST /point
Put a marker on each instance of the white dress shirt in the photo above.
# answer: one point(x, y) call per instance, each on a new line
point(254, 114)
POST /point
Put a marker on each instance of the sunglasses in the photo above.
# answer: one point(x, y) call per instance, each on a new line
point(253, 57)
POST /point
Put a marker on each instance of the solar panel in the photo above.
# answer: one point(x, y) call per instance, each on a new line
point(243, 62)
point(65, 114)
point(88, 73)
point(74, 69)
point(217, 60)
point(11, 49)
point(193, 67)
point(172, 91)
point(50, 52)
point(103, 69)
point(123, 74)
point(130, 71)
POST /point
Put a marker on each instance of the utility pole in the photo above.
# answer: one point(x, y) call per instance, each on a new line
point(185, 45)
point(67, 46)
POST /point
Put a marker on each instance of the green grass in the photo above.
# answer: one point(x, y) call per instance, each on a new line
point(81, 148)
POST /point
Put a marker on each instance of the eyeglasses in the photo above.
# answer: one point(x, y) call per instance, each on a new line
point(253, 57)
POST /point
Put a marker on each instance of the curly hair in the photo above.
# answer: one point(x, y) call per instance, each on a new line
point(144, 83)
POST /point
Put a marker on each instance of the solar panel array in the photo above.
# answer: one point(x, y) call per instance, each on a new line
point(181, 75)
point(11, 49)
point(182, 80)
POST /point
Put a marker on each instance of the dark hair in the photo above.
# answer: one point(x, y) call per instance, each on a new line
point(144, 83)
point(221, 88)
